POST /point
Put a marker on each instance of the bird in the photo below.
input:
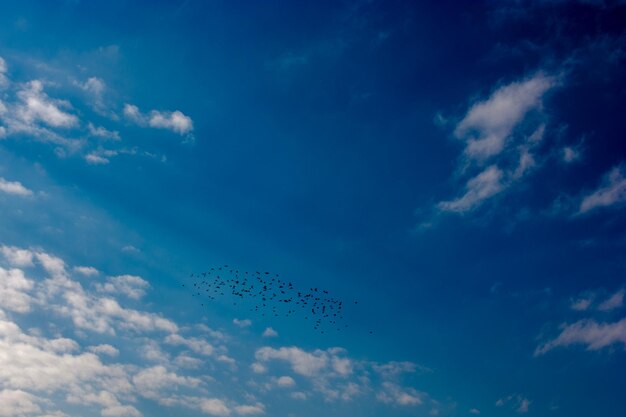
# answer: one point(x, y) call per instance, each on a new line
point(266, 290)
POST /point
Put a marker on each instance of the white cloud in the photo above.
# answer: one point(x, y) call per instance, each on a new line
point(299, 395)
point(611, 193)
point(87, 271)
point(4, 81)
point(525, 164)
point(175, 121)
point(581, 304)
point(131, 286)
point(60, 370)
point(518, 402)
point(588, 332)
point(483, 186)
point(101, 132)
point(227, 359)
point(285, 381)
point(488, 124)
point(152, 381)
point(95, 89)
point(302, 362)
point(38, 107)
point(111, 406)
point(474, 411)
point(394, 369)
point(394, 394)
point(16, 403)
point(16, 256)
point(242, 323)
point(523, 406)
point(258, 368)
point(613, 302)
point(250, 410)
point(153, 352)
point(186, 361)
point(133, 114)
point(95, 159)
point(336, 376)
point(104, 350)
point(269, 332)
point(197, 345)
point(14, 187)
point(570, 154)
point(502, 135)
point(214, 407)
point(14, 290)
point(43, 365)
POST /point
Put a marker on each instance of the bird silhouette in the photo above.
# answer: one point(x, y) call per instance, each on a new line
point(263, 291)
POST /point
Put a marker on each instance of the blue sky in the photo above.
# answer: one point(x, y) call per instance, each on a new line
point(459, 168)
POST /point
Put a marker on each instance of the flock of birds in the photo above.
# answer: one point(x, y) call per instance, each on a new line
point(268, 295)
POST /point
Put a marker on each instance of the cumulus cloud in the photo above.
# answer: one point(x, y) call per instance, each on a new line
point(17, 256)
point(285, 381)
point(195, 344)
point(38, 364)
point(58, 370)
point(269, 332)
point(15, 290)
point(489, 123)
point(15, 403)
point(336, 376)
point(87, 271)
point(28, 109)
point(302, 362)
point(67, 297)
point(214, 407)
point(36, 106)
point(152, 381)
point(611, 193)
point(174, 121)
point(14, 188)
point(105, 349)
point(131, 286)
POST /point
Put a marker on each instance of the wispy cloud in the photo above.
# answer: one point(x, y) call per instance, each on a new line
point(590, 333)
point(478, 189)
point(489, 124)
point(500, 141)
point(611, 193)
point(613, 302)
